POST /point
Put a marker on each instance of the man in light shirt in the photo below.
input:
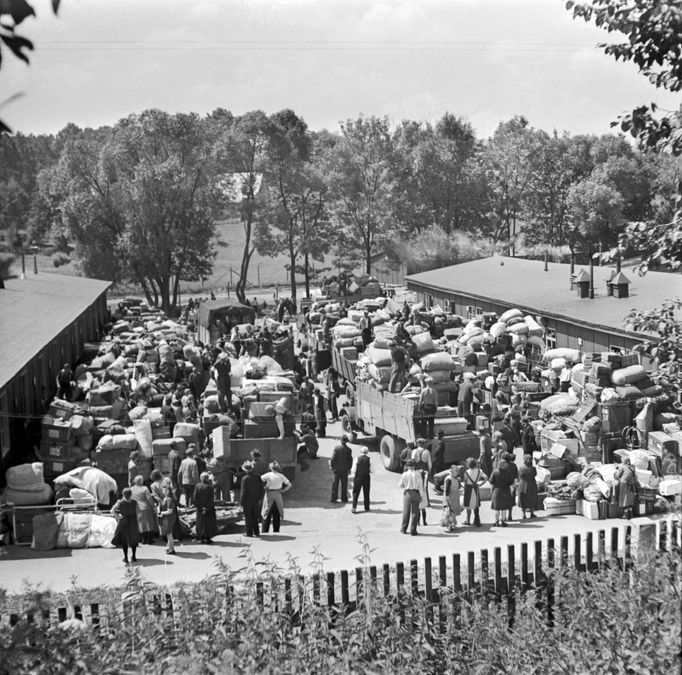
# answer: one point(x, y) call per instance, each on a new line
point(361, 470)
point(413, 495)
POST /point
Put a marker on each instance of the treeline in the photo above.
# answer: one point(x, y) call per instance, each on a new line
point(138, 201)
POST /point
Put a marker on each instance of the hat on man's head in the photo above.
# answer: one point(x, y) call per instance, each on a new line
point(255, 452)
point(247, 466)
point(345, 437)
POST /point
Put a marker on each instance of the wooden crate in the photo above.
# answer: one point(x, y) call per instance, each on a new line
point(22, 522)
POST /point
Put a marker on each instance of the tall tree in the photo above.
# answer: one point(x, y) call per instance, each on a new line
point(508, 160)
point(242, 151)
point(359, 174)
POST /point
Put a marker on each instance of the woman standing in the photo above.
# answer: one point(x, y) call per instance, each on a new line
point(451, 494)
point(168, 514)
point(499, 449)
point(134, 468)
point(146, 511)
point(528, 441)
point(501, 499)
point(204, 500)
point(156, 486)
point(126, 534)
point(514, 471)
point(626, 484)
point(528, 487)
point(473, 479)
point(275, 483)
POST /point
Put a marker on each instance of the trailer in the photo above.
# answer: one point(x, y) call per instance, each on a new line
point(393, 419)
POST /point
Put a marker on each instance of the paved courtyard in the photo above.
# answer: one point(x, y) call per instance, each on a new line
point(312, 528)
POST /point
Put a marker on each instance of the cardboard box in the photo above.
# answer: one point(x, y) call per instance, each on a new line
point(162, 446)
point(452, 426)
point(660, 441)
point(220, 437)
point(670, 486)
point(55, 429)
point(267, 428)
point(66, 452)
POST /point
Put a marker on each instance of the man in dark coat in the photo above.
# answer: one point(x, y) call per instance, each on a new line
point(204, 500)
point(174, 461)
point(362, 468)
point(222, 370)
point(250, 499)
point(340, 464)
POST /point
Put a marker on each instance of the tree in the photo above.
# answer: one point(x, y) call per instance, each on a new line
point(437, 177)
point(359, 175)
point(654, 44)
point(138, 207)
point(508, 160)
point(596, 212)
point(242, 150)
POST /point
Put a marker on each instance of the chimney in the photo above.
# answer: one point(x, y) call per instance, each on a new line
point(618, 263)
point(620, 285)
point(582, 283)
point(609, 288)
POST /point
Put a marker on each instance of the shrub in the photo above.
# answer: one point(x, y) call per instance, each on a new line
point(605, 621)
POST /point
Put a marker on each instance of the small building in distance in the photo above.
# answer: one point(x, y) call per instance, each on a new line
point(499, 283)
point(45, 319)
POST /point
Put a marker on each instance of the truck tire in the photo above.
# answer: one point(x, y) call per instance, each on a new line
point(390, 449)
point(347, 424)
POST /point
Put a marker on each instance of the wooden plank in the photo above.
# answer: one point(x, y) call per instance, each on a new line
point(577, 552)
point(499, 587)
point(359, 586)
point(428, 581)
point(414, 577)
point(443, 570)
point(331, 600)
point(386, 576)
point(471, 573)
point(485, 571)
point(601, 547)
point(525, 576)
point(564, 550)
point(614, 544)
point(538, 572)
point(345, 598)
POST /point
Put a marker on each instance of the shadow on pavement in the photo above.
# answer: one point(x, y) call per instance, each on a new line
point(193, 556)
point(266, 536)
point(15, 552)
point(390, 512)
point(291, 522)
point(150, 562)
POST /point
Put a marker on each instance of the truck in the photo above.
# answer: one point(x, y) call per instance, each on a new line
point(393, 420)
point(345, 367)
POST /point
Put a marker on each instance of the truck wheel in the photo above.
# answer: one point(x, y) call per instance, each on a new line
point(390, 449)
point(346, 424)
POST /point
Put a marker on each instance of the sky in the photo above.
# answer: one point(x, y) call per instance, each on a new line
point(328, 60)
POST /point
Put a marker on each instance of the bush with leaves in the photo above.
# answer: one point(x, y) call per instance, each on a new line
point(606, 621)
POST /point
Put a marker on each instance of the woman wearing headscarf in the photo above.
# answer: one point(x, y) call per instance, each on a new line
point(473, 479)
point(501, 498)
point(527, 490)
point(204, 500)
point(451, 505)
point(625, 483)
point(276, 483)
point(126, 533)
point(528, 441)
point(146, 511)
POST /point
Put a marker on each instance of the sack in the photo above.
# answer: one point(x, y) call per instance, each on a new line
point(628, 375)
point(424, 343)
point(510, 314)
point(436, 361)
point(379, 357)
point(25, 477)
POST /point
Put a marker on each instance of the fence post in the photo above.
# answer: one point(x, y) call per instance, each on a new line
point(94, 615)
point(577, 552)
point(663, 535)
point(511, 585)
point(414, 577)
point(443, 571)
point(551, 565)
point(537, 572)
point(387, 579)
point(500, 588)
point(428, 581)
point(359, 587)
point(259, 594)
point(331, 600)
point(345, 601)
point(471, 574)
point(627, 553)
point(525, 580)
point(563, 544)
point(400, 590)
point(614, 545)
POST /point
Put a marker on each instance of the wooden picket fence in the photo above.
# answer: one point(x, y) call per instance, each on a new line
point(518, 569)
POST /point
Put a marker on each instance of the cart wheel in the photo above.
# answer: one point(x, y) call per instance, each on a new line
point(390, 449)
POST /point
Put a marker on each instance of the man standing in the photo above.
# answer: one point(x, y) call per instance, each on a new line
point(188, 475)
point(439, 452)
point(203, 498)
point(361, 470)
point(428, 405)
point(465, 398)
point(249, 499)
point(222, 370)
point(64, 379)
point(174, 461)
point(413, 495)
point(340, 464)
point(399, 359)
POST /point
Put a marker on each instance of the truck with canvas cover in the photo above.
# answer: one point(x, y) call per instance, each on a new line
point(394, 420)
point(215, 315)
